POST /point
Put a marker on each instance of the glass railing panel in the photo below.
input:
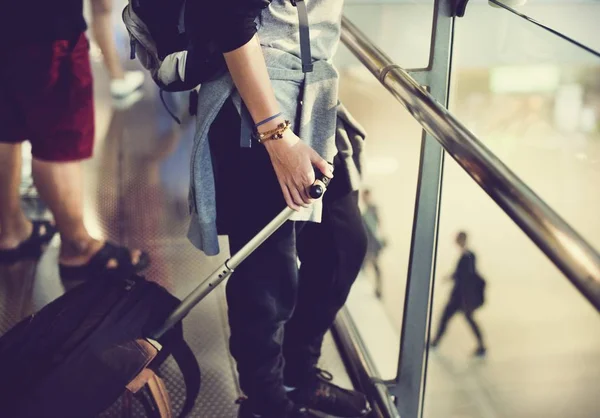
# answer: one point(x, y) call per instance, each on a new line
point(402, 28)
point(575, 21)
point(391, 167)
point(542, 337)
point(533, 99)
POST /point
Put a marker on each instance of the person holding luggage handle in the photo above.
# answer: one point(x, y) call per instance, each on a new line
point(261, 129)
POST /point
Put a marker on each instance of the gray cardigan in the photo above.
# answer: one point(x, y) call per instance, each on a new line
point(323, 123)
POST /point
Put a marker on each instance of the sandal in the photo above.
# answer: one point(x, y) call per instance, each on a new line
point(41, 234)
point(98, 264)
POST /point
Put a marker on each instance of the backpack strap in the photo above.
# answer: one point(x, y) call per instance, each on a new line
point(305, 52)
point(175, 345)
point(187, 363)
point(160, 396)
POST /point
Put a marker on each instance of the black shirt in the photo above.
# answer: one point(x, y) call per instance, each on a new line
point(25, 21)
point(232, 22)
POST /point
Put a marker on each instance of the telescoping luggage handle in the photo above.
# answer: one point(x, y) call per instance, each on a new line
point(316, 191)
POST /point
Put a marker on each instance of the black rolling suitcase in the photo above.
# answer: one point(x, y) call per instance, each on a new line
point(104, 339)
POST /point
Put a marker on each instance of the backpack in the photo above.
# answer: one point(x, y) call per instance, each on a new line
point(473, 295)
point(478, 291)
point(80, 353)
point(180, 54)
point(178, 59)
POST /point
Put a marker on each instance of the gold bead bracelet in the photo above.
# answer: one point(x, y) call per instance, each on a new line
point(276, 133)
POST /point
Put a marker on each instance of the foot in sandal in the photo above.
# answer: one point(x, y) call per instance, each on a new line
point(28, 241)
point(92, 259)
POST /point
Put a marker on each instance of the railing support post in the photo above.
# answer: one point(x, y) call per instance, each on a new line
point(412, 367)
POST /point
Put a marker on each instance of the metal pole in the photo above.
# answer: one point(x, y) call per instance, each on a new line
point(360, 366)
point(259, 238)
point(412, 366)
point(221, 274)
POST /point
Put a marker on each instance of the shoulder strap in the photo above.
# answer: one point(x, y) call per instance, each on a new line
point(175, 345)
point(305, 51)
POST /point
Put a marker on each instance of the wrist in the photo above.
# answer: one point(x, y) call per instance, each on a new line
point(271, 124)
point(289, 139)
point(267, 120)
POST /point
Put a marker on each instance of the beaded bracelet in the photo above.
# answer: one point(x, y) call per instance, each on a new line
point(276, 133)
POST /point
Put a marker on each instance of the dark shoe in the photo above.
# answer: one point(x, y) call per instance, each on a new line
point(291, 412)
point(320, 394)
point(32, 247)
point(480, 352)
point(97, 267)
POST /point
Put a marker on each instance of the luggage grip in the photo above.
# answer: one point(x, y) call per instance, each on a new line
point(316, 190)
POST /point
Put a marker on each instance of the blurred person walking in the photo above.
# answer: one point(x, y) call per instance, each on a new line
point(467, 295)
point(124, 85)
point(374, 238)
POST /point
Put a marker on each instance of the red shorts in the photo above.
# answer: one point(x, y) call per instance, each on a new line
point(46, 97)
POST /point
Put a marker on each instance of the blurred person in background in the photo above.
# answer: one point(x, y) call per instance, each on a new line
point(124, 85)
point(466, 297)
point(376, 243)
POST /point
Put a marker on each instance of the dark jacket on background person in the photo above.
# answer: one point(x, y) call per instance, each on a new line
point(469, 287)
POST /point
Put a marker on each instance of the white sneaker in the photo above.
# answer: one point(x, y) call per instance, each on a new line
point(121, 88)
point(126, 102)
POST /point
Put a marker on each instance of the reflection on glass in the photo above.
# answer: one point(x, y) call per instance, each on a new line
point(390, 176)
point(402, 29)
point(390, 168)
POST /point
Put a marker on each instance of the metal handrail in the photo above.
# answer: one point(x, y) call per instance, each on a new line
point(566, 248)
point(361, 368)
point(577, 259)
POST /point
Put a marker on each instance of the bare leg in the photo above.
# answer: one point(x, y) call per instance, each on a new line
point(102, 31)
point(60, 185)
point(14, 226)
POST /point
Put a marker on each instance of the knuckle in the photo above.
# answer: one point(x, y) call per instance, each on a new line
point(307, 178)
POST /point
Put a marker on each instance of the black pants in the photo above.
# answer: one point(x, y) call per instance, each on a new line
point(279, 313)
point(455, 305)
